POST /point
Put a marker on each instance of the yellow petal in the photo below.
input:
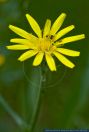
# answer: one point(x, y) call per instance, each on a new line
point(57, 24)
point(50, 62)
point(27, 55)
point(47, 28)
point(68, 52)
point(18, 47)
point(24, 42)
point(64, 60)
point(22, 32)
point(70, 39)
point(38, 59)
point(63, 32)
point(34, 25)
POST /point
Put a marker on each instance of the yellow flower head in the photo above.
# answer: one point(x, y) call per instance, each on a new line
point(46, 43)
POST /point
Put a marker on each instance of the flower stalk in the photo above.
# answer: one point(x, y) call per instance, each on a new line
point(39, 99)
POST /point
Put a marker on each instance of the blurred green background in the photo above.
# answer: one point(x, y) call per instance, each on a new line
point(65, 97)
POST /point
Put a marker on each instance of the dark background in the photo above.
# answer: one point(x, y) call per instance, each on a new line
point(65, 102)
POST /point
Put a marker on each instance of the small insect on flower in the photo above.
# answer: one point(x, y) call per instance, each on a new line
point(45, 44)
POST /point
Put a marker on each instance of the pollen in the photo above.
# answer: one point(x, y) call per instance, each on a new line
point(44, 44)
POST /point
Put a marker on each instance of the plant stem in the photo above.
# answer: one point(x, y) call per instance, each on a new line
point(39, 99)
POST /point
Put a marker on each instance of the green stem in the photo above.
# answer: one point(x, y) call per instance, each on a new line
point(36, 113)
point(39, 99)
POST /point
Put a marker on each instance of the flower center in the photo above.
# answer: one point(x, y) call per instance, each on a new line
point(45, 45)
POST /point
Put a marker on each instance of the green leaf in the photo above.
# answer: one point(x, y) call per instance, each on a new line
point(20, 122)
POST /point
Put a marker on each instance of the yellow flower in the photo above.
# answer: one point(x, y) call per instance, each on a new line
point(2, 59)
point(46, 43)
